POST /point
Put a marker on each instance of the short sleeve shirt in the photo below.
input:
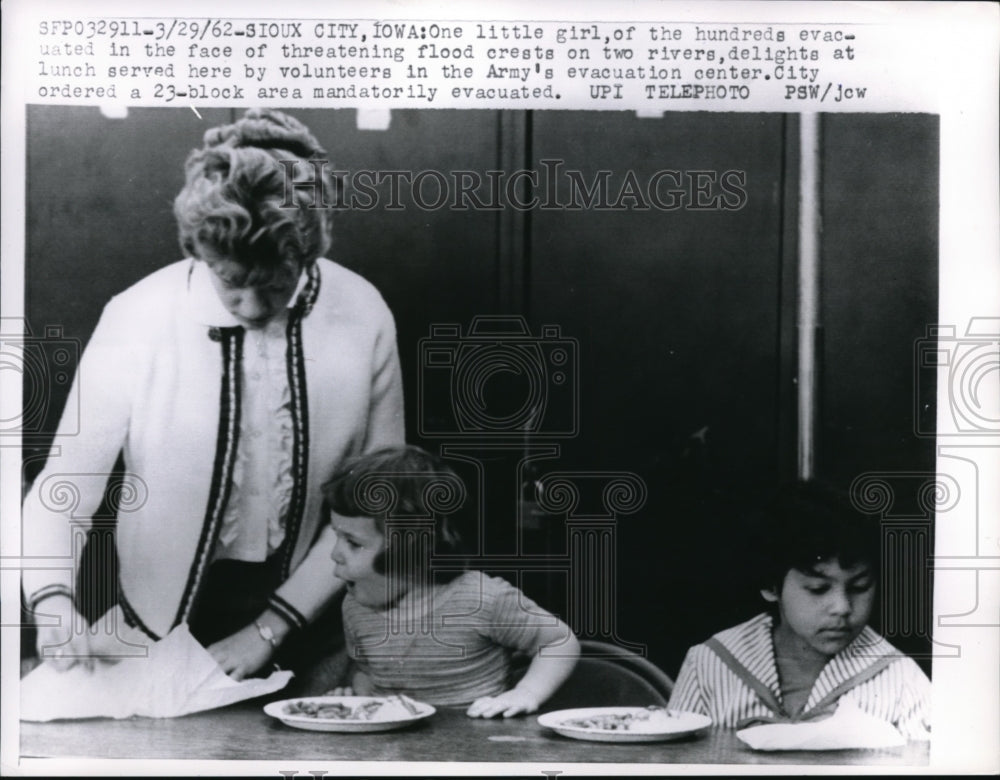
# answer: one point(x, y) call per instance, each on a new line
point(446, 644)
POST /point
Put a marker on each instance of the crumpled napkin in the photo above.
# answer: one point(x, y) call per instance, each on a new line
point(849, 727)
point(178, 677)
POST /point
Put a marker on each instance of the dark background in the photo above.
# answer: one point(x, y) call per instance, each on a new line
point(683, 321)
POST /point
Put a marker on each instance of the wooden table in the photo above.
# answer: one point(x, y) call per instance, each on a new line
point(244, 732)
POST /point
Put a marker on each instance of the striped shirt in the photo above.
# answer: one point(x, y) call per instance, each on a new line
point(733, 678)
point(448, 644)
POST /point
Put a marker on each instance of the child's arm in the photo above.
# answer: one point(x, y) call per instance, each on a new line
point(356, 681)
point(689, 693)
point(544, 676)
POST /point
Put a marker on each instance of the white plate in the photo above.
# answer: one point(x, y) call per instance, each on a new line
point(391, 714)
point(644, 724)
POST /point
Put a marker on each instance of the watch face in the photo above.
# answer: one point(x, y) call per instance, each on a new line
point(265, 632)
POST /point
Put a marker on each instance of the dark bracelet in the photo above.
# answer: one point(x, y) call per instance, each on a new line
point(48, 592)
point(295, 619)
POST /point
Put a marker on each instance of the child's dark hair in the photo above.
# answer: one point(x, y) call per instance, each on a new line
point(398, 487)
point(807, 523)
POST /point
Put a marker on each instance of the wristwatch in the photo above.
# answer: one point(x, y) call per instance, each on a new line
point(266, 634)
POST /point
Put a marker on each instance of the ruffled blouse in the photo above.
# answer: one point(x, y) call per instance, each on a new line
point(253, 526)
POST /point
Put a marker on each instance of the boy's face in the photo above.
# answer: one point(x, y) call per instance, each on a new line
point(824, 608)
point(359, 543)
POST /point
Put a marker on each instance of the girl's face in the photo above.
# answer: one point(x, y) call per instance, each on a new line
point(252, 305)
point(359, 542)
point(823, 609)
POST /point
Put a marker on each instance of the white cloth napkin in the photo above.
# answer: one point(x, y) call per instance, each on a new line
point(847, 728)
point(178, 677)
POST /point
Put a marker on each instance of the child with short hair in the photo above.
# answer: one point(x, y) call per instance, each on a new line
point(446, 639)
point(813, 649)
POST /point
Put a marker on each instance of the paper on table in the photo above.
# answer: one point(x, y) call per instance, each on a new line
point(178, 677)
point(847, 728)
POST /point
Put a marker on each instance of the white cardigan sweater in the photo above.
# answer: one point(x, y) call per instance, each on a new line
point(160, 381)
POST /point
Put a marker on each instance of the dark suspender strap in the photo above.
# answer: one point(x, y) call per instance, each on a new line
point(227, 440)
point(300, 440)
point(132, 618)
point(300, 417)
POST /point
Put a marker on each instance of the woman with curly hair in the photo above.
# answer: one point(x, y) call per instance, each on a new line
point(233, 382)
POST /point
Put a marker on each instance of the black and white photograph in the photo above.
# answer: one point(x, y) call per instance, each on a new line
point(367, 438)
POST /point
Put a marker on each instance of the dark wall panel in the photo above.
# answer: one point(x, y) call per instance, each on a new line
point(677, 315)
point(676, 311)
point(879, 294)
point(879, 289)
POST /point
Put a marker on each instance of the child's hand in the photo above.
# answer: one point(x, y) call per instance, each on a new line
point(361, 684)
point(513, 702)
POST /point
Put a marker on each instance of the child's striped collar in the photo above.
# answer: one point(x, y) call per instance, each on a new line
point(748, 649)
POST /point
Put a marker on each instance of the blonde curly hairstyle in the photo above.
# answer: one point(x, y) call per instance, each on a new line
point(239, 199)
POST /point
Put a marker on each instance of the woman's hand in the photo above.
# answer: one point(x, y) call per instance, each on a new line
point(516, 701)
point(242, 653)
point(65, 642)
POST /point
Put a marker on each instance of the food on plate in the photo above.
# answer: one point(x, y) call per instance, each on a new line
point(343, 709)
point(650, 719)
